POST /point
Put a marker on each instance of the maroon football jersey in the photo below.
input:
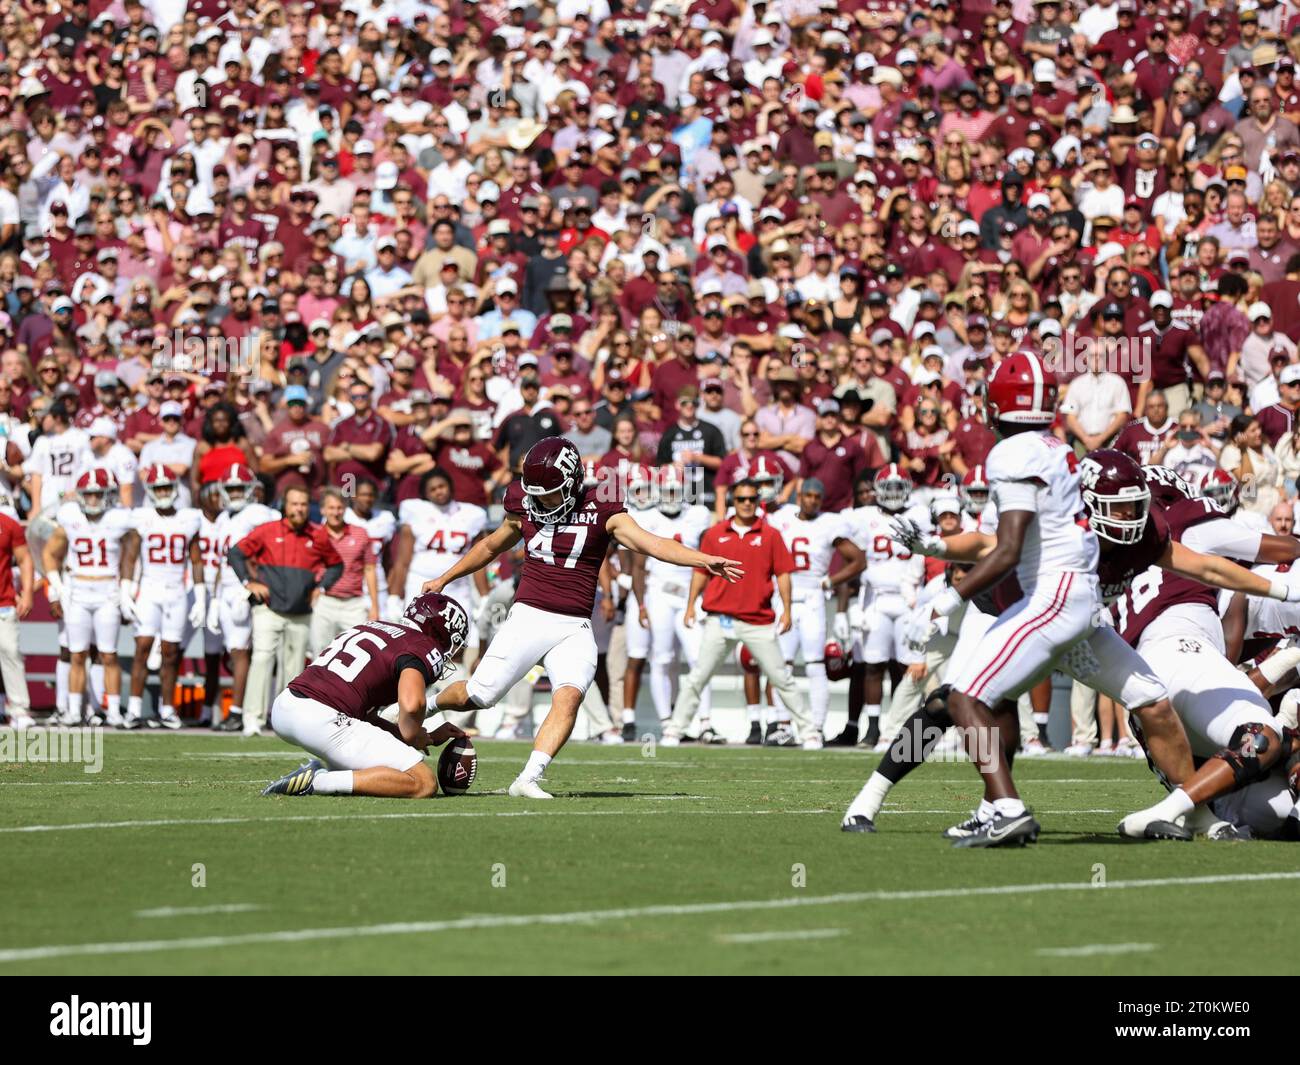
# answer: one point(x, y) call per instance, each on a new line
point(563, 560)
point(1152, 594)
point(1121, 564)
point(358, 672)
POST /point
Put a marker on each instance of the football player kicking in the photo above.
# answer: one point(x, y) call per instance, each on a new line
point(168, 539)
point(332, 709)
point(569, 530)
point(1048, 539)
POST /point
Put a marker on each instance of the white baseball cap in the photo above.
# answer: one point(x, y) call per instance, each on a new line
point(1162, 298)
point(1259, 310)
point(1044, 70)
point(103, 427)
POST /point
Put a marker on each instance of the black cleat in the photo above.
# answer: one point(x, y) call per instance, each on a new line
point(296, 783)
point(873, 733)
point(233, 723)
point(755, 737)
point(857, 823)
point(711, 738)
point(781, 737)
point(967, 828)
point(847, 738)
point(1003, 832)
point(629, 732)
point(1160, 830)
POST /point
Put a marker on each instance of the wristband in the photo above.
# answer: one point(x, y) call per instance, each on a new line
point(946, 602)
point(1278, 590)
point(53, 588)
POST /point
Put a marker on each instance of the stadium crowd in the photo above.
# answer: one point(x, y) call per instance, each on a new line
point(346, 245)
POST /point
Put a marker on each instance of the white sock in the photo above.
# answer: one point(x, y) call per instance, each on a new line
point(114, 706)
point(536, 767)
point(661, 689)
point(167, 711)
point(1041, 719)
point(236, 710)
point(985, 810)
point(1173, 805)
point(61, 685)
point(135, 706)
point(95, 684)
point(629, 716)
point(755, 713)
point(332, 782)
point(871, 798)
point(74, 704)
point(819, 693)
point(1009, 807)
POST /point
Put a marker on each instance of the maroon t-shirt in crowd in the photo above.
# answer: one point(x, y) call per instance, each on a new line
point(469, 468)
point(563, 560)
point(360, 670)
point(1139, 441)
point(837, 466)
point(974, 440)
point(368, 430)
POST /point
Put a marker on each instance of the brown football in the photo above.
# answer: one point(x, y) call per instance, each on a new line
point(457, 766)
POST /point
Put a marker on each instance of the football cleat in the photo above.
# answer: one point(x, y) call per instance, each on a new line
point(967, 828)
point(847, 738)
point(1003, 832)
point(755, 737)
point(613, 738)
point(1141, 825)
point(782, 736)
point(67, 719)
point(1128, 747)
point(629, 732)
point(1105, 749)
point(882, 745)
point(873, 733)
point(233, 723)
point(857, 823)
point(95, 719)
point(21, 721)
point(528, 789)
point(131, 721)
point(169, 718)
point(709, 736)
point(1079, 750)
point(296, 783)
point(814, 742)
point(1033, 748)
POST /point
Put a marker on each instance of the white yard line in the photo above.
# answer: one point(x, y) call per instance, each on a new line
point(196, 911)
point(1091, 950)
point(586, 917)
point(102, 783)
point(775, 937)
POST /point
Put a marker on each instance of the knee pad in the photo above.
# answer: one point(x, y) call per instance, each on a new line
point(1246, 751)
point(936, 706)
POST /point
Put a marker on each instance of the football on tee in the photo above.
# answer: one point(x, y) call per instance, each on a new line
point(457, 767)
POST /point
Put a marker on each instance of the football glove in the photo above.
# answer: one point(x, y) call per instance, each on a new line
point(907, 532)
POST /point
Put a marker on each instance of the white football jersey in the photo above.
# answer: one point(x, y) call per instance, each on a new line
point(811, 544)
point(94, 547)
point(1058, 540)
point(380, 527)
point(119, 460)
point(1269, 619)
point(165, 543)
point(891, 568)
point(441, 534)
point(55, 459)
point(686, 528)
point(1252, 520)
point(231, 528)
point(210, 547)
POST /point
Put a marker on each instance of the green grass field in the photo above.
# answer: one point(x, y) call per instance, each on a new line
point(696, 860)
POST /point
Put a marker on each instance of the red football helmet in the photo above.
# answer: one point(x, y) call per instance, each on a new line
point(767, 478)
point(237, 487)
point(639, 491)
point(440, 618)
point(1109, 480)
point(551, 466)
point(672, 491)
point(1220, 486)
point(1022, 391)
point(975, 490)
point(96, 491)
point(893, 487)
point(839, 662)
point(160, 485)
point(745, 660)
point(1167, 487)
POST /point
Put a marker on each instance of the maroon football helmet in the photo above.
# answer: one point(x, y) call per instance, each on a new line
point(1022, 391)
point(1167, 487)
point(839, 662)
point(1109, 479)
point(440, 618)
point(552, 465)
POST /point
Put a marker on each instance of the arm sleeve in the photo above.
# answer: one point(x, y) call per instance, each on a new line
point(410, 661)
point(1224, 538)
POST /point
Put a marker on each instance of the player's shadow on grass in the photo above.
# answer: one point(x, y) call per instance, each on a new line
point(619, 794)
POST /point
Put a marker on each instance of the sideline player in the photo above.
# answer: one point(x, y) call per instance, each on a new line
point(168, 538)
point(814, 539)
point(331, 709)
point(96, 540)
point(568, 529)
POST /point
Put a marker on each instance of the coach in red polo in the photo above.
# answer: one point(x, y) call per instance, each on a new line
point(294, 558)
point(742, 612)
